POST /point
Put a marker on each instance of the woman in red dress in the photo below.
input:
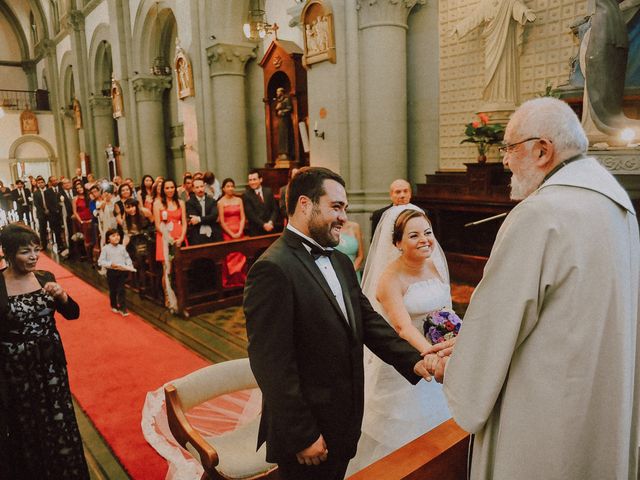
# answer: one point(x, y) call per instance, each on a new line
point(82, 216)
point(232, 220)
point(170, 217)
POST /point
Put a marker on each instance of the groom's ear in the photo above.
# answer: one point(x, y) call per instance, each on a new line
point(304, 203)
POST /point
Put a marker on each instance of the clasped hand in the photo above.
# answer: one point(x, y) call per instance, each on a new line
point(435, 360)
point(314, 454)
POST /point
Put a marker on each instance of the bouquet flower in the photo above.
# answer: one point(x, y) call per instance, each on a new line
point(441, 325)
point(483, 134)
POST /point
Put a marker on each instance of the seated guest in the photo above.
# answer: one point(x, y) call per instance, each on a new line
point(400, 193)
point(185, 190)
point(259, 206)
point(202, 211)
point(232, 221)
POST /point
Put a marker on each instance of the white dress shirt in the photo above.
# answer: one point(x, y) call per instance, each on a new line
point(324, 264)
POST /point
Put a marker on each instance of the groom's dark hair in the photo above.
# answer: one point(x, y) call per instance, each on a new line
point(309, 182)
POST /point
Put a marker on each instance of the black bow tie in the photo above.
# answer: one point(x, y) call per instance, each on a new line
point(317, 251)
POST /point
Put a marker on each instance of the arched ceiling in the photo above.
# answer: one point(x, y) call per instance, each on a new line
point(16, 15)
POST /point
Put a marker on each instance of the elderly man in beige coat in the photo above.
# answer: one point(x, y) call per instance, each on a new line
point(546, 369)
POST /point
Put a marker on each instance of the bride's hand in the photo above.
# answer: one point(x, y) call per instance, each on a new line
point(443, 349)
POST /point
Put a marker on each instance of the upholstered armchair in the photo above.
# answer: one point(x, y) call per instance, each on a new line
point(231, 455)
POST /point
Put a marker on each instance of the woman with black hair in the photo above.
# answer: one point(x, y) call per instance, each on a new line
point(41, 431)
point(145, 193)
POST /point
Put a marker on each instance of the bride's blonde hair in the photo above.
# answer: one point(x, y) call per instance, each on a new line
point(402, 220)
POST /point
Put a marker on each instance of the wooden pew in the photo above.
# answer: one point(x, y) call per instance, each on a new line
point(198, 273)
point(440, 454)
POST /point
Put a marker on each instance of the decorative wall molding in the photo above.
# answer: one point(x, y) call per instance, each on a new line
point(622, 162)
point(377, 13)
point(75, 20)
point(229, 59)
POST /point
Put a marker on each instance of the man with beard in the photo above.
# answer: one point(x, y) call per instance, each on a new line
point(307, 321)
point(546, 369)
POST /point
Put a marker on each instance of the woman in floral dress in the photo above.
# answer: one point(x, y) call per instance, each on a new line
point(40, 431)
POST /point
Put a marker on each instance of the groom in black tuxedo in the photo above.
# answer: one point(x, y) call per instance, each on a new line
point(307, 321)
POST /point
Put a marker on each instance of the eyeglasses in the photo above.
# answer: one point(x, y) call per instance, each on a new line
point(507, 148)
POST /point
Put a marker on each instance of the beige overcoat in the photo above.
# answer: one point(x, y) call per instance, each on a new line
point(547, 364)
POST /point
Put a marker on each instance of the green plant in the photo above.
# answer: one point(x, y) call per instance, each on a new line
point(549, 91)
point(483, 134)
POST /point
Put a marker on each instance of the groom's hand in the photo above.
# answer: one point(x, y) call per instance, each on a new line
point(314, 454)
point(421, 370)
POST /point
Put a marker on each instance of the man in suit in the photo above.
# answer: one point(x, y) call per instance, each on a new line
point(54, 215)
point(41, 211)
point(307, 321)
point(66, 200)
point(202, 211)
point(260, 206)
point(22, 197)
point(400, 193)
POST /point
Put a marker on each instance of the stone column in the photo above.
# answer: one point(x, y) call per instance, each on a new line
point(72, 142)
point(102, 113)
point(383, 68)
point(148, 91)
point(229, 129)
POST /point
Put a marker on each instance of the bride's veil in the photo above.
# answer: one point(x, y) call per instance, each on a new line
point(382, 252)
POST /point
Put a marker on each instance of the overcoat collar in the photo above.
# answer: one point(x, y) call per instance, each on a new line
point(294, 241)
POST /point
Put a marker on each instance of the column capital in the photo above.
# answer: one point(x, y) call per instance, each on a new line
point(150, 88)
point(100, 105)
point(45, 47)
point(229, 59)
point(377, 13)
point(75, 20)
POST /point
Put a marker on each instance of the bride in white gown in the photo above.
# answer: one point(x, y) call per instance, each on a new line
point(405, 277)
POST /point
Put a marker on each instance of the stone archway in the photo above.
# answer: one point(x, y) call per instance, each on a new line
point(155, 31)
point(105, 126)
point(36, 161)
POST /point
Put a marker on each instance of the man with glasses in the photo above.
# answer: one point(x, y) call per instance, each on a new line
point(546, 369)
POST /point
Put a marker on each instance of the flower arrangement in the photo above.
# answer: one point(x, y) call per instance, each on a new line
point(483, 134)
point(441, 325)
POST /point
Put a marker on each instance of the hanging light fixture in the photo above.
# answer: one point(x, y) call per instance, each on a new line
point(257, 26)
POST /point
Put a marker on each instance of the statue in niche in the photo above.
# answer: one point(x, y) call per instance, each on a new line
point(117, 104)
point(77, 114)
point(29, 122)
point(283, 109)
point(184, 72)
point(503, 33)
point(603, 59)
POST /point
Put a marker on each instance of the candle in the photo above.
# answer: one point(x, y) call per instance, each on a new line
point(315, 126)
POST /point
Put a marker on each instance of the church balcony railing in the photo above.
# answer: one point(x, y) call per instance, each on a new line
point(23, 99)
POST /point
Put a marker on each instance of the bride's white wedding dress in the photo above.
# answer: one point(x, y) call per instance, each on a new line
point(395, 411)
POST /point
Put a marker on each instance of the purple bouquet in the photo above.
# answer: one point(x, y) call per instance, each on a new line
point(441, 325)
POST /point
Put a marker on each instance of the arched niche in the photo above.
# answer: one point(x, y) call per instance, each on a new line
point(37, 155)
point(101, 61)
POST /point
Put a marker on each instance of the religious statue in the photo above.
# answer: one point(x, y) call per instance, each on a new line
point(77, 114)
point(319, 43)
point(603, 57)
point(117, 104)
point(283, 109)
point(503, 32)
point(184, 73)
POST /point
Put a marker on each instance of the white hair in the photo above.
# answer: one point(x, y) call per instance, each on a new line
point(550, 118)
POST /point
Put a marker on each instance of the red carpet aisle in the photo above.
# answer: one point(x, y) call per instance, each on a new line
point(113, 363)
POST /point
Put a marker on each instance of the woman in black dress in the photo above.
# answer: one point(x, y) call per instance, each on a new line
point(40, 431)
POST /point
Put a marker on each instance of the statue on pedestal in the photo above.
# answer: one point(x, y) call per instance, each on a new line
point(503, 31)
point(283, 109)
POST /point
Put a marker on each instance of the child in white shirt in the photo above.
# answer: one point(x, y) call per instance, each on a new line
point(115, 258)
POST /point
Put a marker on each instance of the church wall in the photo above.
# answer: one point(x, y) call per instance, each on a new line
point(256, 131)
point(98, 15)
point(13, 78)
point(548, 46)
point(61, 48)
point(9, 48)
